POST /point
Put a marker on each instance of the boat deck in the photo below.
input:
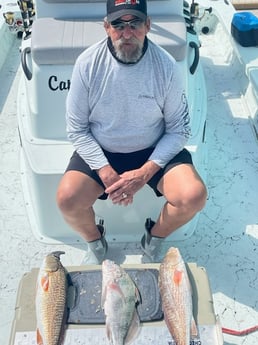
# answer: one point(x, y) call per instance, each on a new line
point(226, 239)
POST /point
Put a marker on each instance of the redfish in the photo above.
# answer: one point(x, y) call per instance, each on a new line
point(119, 298)
point(51, 300)
point(176, 297)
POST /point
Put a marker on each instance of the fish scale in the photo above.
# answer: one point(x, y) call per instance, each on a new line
point(119, 296)
point(176, 296)
point(51, 300)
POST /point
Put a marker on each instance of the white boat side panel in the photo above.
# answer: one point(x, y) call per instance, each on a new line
point(44, 98)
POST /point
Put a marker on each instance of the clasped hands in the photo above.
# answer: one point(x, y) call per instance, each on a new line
point(122, 191)
point(121, 188)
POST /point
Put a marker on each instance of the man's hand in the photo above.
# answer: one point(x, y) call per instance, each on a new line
point(108, 175)
point(123, 190)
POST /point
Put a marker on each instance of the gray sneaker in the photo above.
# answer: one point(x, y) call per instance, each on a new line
point(96, 250)
point(150, 244)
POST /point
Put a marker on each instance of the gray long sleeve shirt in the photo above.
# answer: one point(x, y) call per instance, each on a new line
point(126, 107)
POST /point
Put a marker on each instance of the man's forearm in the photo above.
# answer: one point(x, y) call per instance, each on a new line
point(149, 169)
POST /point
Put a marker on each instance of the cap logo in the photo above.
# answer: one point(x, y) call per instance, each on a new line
point(126, 2)
point(119, 8)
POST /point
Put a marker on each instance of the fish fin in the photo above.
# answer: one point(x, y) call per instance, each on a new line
point(138, 297)
point(108, 331)
point(103, 297)
point(194, 329)
point(44, 282)
point(134, 329)
point(39, 337)
point(116, 288)
point(177, 277)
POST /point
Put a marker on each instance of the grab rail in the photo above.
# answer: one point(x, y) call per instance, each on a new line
point(28, 73)
point(195, 63)
point(25, 67)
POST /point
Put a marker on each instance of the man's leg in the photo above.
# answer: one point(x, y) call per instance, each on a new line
point(186, 195)
point(76, 194)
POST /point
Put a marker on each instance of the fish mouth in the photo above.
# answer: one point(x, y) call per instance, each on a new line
point(110, 267)
point(108, 263)
point(51, 262)
point(57, 254)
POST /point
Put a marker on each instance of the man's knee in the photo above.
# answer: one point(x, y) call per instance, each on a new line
point(66, 199)
point(196, 197)
point(200, 197)
point(72, 198)
point(191, 198)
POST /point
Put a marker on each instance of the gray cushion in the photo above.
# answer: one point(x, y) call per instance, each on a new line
point(59, 42)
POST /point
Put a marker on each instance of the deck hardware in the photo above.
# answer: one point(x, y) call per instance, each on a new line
point(196, 57)
point(25, 68)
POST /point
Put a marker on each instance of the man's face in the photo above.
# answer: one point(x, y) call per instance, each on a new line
point(127, 35)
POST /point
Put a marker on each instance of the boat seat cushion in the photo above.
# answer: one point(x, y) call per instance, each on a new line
point(170, 33)
point(59, 42)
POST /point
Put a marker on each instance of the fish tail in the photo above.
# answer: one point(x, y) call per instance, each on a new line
point(57, 253)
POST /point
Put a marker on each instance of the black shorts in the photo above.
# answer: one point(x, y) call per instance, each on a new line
point(122, 162)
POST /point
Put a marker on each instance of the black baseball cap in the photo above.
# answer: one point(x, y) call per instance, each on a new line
point(119, 8)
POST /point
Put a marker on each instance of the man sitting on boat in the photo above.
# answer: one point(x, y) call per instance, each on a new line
point(128, 119)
